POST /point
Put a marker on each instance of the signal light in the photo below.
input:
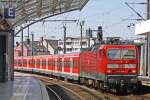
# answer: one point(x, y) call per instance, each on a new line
point(28, 41)
point(100, 33)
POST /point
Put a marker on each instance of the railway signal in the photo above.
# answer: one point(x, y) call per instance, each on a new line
point(100, 34)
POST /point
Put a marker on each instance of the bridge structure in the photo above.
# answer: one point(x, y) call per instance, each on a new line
point(14, 13)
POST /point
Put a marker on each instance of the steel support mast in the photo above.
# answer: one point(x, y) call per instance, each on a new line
point(148, 41)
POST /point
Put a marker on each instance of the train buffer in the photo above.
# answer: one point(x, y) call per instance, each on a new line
point(23, 88)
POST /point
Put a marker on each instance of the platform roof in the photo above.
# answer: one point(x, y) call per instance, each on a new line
point(4, 23)
point(32, 9)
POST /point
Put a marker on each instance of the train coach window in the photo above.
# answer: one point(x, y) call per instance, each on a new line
point(49, 63)
point(65, 63)
point(44, 62)
point(60, 63)
point(74, 63)
point(29, 61)
point(53, 63)
point(24, 62)
point(68, 63)
point(38, 62)
point(33, 62)
point(19, 63)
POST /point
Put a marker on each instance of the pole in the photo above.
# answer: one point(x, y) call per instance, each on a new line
point(28, 32)
point(148, 9)
point(22, 42)
point(64, 38)
point(148, 41)
point(89, 33)
point(32, 35)
point(81, 33)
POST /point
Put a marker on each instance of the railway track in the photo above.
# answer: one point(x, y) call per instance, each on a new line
point(70, 91)
point(52, 94)
point(78, 92)
point(85, 93)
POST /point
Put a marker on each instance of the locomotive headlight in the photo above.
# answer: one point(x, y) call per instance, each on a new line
point(133, 71)
point(112, 66)
point(108, 71)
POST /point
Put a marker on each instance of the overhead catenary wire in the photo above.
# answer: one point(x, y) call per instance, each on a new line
point(135, 11)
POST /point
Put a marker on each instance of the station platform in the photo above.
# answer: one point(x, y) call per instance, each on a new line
point(23, 88)
point(145, 80)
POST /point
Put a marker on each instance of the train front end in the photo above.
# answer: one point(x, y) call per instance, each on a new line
point(122, 67)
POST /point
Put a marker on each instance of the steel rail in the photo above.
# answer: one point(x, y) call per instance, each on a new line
point(58, 97)
point(81, 98)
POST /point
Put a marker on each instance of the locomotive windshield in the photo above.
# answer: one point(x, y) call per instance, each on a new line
point(121, 54)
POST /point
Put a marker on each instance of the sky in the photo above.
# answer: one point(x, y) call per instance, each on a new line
point(113, 15)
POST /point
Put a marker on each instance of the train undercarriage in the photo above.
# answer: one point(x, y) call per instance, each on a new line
point(119, 85)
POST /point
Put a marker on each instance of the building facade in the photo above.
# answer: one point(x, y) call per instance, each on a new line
point(38, 49)
point(74, 44)
point(51, 46)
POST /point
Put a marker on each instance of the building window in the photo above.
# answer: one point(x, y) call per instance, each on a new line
point(76, 49)
point(76, 43)
point(69, 49)
point(68, 43)
point(83, 43)
point(60, 43)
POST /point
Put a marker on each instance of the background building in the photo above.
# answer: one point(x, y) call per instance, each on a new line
point(51, 45)
point(74, 44)
point(38, 49)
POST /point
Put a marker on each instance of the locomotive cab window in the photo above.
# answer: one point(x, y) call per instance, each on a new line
point(121, 54)
point(128, 54)
point(114, 53)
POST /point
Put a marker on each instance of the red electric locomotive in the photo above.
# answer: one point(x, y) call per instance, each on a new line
point(108, 67)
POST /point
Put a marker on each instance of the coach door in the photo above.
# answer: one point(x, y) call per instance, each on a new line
point(2, 58)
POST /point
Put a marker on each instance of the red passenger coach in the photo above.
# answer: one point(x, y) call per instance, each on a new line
point(66, 66)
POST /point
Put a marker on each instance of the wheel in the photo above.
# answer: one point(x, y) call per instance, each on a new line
point(121, 90)
point(96, 85)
